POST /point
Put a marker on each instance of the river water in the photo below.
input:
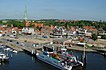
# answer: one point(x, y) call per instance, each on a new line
point(23, 61)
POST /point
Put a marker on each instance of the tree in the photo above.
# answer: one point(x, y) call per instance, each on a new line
point(66, 25)
point(94, 37)
point(31, 25)
point(103, 37)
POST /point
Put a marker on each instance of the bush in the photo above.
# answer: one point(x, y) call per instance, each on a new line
point(103, 37)
point(25, 41)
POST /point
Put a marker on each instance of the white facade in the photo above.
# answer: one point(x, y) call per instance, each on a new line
point(28, 30)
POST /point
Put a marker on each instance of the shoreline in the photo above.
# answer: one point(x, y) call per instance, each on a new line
point(74, 48)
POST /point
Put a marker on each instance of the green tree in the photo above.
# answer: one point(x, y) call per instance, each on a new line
point(103, 37)
point(66, 25)
point(94, 37)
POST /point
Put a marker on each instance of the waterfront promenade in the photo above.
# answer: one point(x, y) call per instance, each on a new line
point(22, 44)
point(25, 43)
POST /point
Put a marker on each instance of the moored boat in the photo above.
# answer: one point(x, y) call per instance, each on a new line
point(3, 57)
point(59, 59)
point(14, 51)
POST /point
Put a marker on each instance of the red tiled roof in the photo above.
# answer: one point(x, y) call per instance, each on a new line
point(89, 28)
point(1, 28)
point(39, 25)
point(15, 28)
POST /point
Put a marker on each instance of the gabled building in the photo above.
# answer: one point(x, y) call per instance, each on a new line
point(101, 31)
point(59, 31)
point(28, 30)
point(14, 30)
point(2, 29)
point(91, 28)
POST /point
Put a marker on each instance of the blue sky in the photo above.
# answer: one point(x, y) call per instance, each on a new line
point(57, 9)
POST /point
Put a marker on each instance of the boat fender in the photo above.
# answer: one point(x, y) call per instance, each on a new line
point(37, 53)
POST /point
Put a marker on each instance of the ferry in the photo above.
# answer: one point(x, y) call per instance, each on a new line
point(59, 59)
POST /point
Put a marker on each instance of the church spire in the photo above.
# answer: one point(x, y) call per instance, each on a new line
point(25, 14)
point(27, 23)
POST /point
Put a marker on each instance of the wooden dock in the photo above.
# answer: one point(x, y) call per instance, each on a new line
point(31, 50)
point(13, 46)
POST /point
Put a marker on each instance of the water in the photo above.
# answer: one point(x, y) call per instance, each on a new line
point(94, 61)
point(22, 61)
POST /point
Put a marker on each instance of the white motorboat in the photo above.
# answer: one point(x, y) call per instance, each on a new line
point(3, 57)
point(7, 49)
point(14, 51)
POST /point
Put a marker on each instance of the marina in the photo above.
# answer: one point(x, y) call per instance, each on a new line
point(16, 62)
point(52, 35)
point(32, 52)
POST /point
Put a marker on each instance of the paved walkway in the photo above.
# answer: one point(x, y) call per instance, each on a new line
point(19, 45)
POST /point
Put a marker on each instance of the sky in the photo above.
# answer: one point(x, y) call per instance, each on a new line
point(54, 9)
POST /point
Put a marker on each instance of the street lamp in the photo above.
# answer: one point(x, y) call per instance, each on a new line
point(84, 53)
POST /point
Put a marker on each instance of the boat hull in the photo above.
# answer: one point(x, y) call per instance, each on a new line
point(47, 60)
point(4, 60)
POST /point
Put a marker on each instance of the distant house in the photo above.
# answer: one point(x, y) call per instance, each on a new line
point(88, 33)
point(59, 31)
point(62, 20)
point(38, 27)
point(14, 30)
point(38, 24)
point(2, 29)
point(4, 21)
point(46, 30)
point(4, 26)
point(91, 28)
point(75, 31)
point(101, 31)
point(20, 31)
point(28, 30)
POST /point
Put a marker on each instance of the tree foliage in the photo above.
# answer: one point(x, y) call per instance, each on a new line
point(94, 37)
point(15, 23)
point(56, 22)
point(103, 37)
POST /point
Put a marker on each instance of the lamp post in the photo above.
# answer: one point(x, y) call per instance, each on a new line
point(84, 53)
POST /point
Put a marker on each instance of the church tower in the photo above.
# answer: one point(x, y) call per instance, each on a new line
point(26, 17)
